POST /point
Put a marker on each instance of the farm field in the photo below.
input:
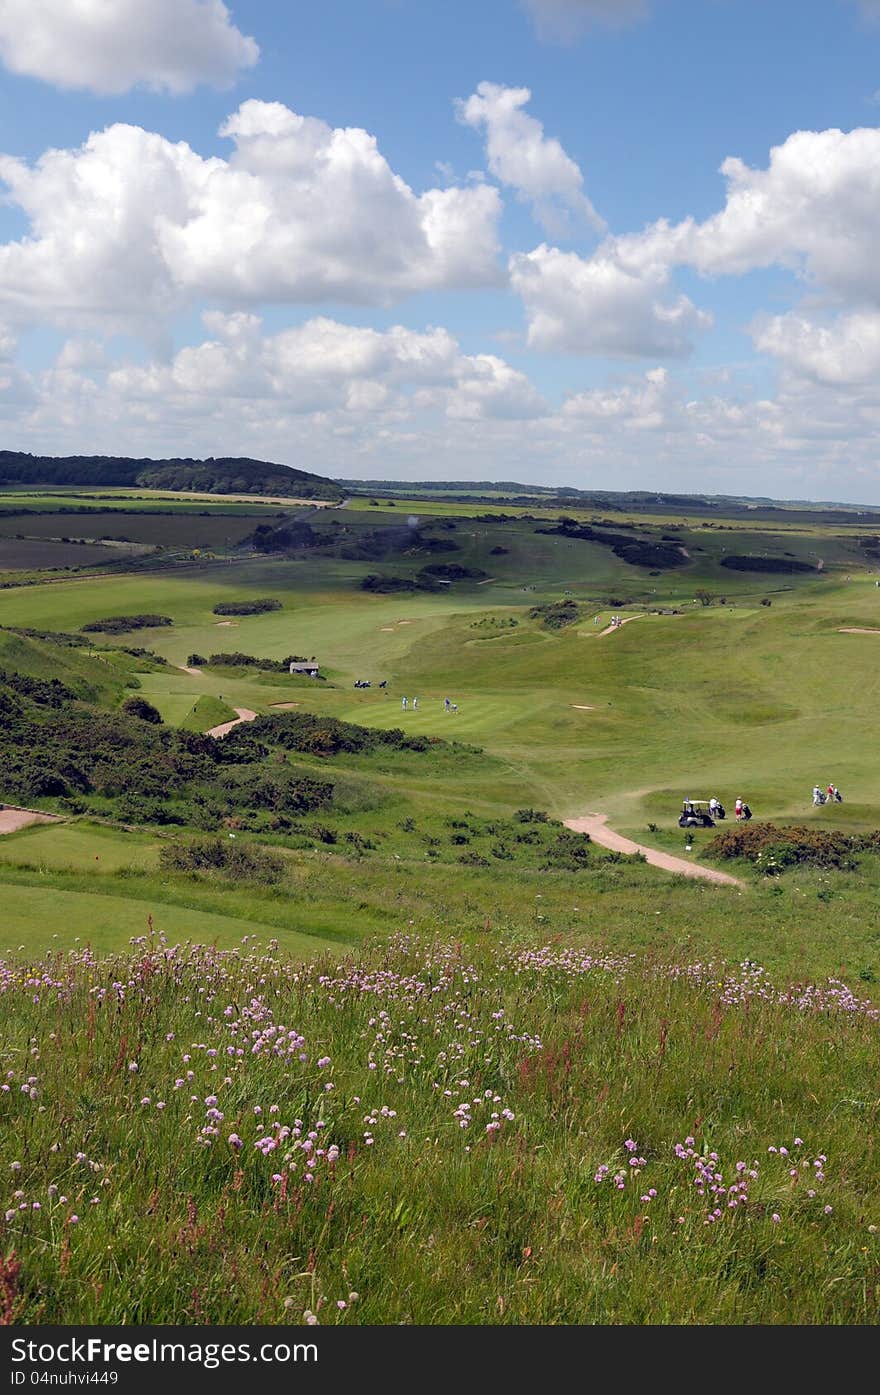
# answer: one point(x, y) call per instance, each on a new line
point(549, 1002)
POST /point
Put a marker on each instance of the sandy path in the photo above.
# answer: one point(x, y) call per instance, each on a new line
point(244, 715)
point(853, 631)
point(609, 629)
point(595, 825)
point(11, 820)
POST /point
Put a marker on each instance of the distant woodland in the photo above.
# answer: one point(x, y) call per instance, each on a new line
point(224, 475)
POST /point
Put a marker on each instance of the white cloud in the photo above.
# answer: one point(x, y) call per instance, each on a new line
point(325, 366)
point(843, 353)
point(603, 305)
point(109, 46)
point(346, 401)
point(812, 211)
point(565, 19)
point(519, 154)
point(130, 226)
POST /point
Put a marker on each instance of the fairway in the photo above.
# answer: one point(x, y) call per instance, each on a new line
point(103, 922)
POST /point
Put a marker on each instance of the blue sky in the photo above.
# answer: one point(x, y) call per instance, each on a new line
point(500, 245)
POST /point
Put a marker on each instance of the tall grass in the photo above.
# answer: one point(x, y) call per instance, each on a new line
point(429, 1133)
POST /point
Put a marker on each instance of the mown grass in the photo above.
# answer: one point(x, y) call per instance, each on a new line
point(493, 1134)
point(208, 712)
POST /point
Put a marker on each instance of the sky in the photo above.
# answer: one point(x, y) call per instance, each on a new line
point(608, 244)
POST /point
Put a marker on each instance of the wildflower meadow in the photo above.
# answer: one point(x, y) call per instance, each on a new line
point(433, 1132)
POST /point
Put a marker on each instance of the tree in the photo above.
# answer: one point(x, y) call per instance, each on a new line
point(704, 597)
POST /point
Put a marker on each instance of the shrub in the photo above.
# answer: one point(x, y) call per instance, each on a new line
point(122, 624)
point(531, 816)
point(231, 859)
point(569, 852)
point(143, 710)
point(247, 607)
point(558, 615)
point(773, 849)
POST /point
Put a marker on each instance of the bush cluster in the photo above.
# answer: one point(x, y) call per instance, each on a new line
point(774, 848)
point(328, 736)
point(226, 856)
point(239, 660)
point(247, 607)
point(123, 624)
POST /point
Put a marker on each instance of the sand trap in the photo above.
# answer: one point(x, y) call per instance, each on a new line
point(244, 715)
point(185, 668)
point(282, 706)
point(595, 825)
point(582, 707)
point(387, 630)
point(851, 630)
point(11, 820)
point(609, 629)
point(404, 622)
point(226, 624)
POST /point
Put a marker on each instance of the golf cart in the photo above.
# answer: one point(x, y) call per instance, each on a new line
point(695, 814)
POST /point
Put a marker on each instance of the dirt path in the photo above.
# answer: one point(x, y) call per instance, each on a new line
point(11, 820)
point(244, 715)
point(609, 629)
point(595, 825)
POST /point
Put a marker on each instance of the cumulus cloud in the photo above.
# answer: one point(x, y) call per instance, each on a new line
point(520, 155)
point(843, 353)
point(812, 211)
point(130, 226)
point(110, 46)
point(603, 305)
point(326, 366)
point(565, 19)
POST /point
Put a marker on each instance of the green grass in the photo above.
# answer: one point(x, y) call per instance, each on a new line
point(208, 712)
point(741, 699)
point(134, 1192)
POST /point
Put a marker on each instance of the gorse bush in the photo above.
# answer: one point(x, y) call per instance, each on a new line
point(238, 660)
point(328, 736)
point(143, 710)
point(123, 624)
point(557, 615)
point(247, 607)
point(228, 856)
point(789, 846)
point(144, 771)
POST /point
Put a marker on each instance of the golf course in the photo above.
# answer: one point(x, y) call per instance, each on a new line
point(448, 871)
